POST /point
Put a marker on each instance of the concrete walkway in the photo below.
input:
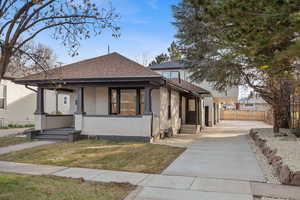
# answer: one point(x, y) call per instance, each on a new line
point(223, 153)
point(12, 131)
point(22, 146)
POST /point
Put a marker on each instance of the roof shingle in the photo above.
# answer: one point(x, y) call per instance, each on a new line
point(189, 86)
point(111, 65)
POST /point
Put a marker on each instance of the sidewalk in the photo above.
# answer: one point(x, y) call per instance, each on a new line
point(157, 186)
point(22, 146)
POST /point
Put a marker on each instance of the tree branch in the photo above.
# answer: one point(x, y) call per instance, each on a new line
point(44, 28)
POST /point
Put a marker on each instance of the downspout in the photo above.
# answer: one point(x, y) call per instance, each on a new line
point(151, 128)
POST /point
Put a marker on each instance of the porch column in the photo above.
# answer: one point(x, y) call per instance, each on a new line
point(39, 114)
point(197, 110)
point(80, 101)
point(79, 109)
point(40, 109)
point(147, 101)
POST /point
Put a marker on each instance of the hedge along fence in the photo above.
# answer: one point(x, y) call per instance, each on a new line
point(252, 115)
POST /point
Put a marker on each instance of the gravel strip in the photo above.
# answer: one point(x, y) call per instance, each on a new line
point(288, 147)
point(263, 163)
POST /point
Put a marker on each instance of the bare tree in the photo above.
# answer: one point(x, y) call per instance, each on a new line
point(69, 21)
point(36, 58)
point(143, 59)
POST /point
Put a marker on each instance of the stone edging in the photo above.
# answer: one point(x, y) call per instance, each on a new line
point(282, 171)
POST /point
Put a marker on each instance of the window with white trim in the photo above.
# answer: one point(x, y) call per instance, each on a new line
point(2, 96)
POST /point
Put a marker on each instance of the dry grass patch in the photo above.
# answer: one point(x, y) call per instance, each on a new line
point(101, 154)
point(28, 187)
point(12, 140)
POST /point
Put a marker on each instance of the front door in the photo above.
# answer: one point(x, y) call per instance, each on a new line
point(206, 115)
point(191, 114)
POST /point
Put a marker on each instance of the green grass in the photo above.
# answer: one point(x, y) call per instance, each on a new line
point(9, 126)
point(12, 140)
point(101, 154)
point(28, 187)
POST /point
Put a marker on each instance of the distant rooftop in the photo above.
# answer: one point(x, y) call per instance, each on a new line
point(167, 65)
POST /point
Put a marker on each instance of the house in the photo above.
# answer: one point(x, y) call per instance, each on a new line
point(114, 97)
point(253, 102)
point(17, 103)
point(212, 103)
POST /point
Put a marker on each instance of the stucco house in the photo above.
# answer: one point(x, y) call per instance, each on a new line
point(253, 102)
point(17, 103)
point(212, 103)
point(112, 96)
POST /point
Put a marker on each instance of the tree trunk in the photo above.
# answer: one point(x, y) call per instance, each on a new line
point(282, 106)
point(276, 119)
point(4, 62)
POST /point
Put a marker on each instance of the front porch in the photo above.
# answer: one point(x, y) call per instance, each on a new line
point(99, 111)
point(138, 112)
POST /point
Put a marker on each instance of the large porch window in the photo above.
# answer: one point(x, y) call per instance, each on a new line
point(126, 101)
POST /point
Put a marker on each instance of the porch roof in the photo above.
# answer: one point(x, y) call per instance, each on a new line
point(190, 86)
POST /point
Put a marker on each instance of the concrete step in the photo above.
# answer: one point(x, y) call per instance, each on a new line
point(50, 137)
point(188, 131)
point(56, 135)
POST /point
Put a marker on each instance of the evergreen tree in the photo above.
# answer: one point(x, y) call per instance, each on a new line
point(174, 52)
point(243, 42)
point(160, 59)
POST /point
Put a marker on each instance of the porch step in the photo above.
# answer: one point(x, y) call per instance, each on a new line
point(188, 129)
point(51, 137)
point(55, 134)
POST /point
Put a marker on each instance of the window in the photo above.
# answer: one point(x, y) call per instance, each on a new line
point(126, 101)
point(166, 74)
point(169, 103)
point(65, 100)
point(142, 101)
point(171, 74)
point(114, 101)
point(192, 105)
point(2, 96)
point(175, 75)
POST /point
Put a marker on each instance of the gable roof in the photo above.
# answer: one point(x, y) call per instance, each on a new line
point(167, 65)
point(111, 65)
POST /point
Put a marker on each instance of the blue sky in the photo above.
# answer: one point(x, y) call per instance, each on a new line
point(146, 31)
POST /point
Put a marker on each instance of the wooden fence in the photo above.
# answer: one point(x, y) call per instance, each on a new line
point(247, 115)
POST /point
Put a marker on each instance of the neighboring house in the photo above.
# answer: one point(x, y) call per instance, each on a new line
point(213, 103)
point(253, 102)
point(112, 96)
point(17, 103)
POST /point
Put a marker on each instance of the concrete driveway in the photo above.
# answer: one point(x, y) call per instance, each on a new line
point(223, 152)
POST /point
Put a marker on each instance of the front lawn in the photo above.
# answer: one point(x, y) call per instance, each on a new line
point(11, 140)
point(28, 187)
point(101, 154)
